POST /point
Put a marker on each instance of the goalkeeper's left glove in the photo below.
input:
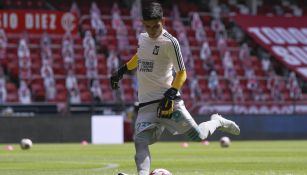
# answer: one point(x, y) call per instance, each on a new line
point(118, 75)
point(166, 106)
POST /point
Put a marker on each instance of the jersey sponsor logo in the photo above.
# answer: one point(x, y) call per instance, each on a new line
point(156, 50)
point(145, 65)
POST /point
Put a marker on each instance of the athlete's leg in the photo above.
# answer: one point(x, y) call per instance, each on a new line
point(205, 129)
point(142, 154)
point(147, 132)
point(182, 122)
point(199, 132)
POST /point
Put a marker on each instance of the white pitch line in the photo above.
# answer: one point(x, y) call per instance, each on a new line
point(108, 166)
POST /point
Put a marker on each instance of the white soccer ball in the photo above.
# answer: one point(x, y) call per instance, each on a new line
point(160, 171)
point(225, 142)
point(25, 144)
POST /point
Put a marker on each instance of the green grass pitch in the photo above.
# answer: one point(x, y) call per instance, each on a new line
point(241, 158)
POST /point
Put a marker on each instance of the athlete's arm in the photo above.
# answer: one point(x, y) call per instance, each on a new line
point(166, 106)
point(174, 53)
point(118, 75)
point(179, 80)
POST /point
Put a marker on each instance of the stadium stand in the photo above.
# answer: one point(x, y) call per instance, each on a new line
point(114, 28)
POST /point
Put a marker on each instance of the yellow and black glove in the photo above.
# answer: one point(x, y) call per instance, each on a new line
point(166, 105)
point(118, 75)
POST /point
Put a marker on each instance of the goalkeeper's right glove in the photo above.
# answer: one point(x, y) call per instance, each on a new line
point(118, 75)
point(166, 106)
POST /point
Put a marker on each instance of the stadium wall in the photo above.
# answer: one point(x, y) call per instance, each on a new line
point(45, 128)
point(49, 129)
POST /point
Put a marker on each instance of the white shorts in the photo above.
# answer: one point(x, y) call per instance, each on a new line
point(148, 127)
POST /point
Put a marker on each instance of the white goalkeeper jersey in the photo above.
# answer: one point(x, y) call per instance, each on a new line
point(157, 58)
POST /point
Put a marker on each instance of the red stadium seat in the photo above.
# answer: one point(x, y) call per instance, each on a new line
point(38, 92)
point(129, 95)
point(11, 88)
point(61, 81)
point(84, 82)
point(190, 32)
point(168, 23)
point(108, 96)
point(61, 96)
point(227, 96)
point(60, 87)
point(206, 20)
point(203, 84)
point(12, 98)
point(193, 42)
point(80, 69)
point(59, 70)
point(210, 33)
point(35, 69)
point(82, 87)
point(126, 82)
point(86, 97)
point(105, 83)
point(131, 32)
point(102, 69)
point(133, 41)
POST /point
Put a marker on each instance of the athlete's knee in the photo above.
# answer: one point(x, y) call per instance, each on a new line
point(138, 140)
point(144, 138)
point(141, 149)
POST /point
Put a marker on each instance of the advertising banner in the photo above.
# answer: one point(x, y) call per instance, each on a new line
point(32, 21)
point(282, 108)
point(284, 37)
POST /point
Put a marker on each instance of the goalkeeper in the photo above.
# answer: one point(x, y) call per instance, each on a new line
point(160, 105)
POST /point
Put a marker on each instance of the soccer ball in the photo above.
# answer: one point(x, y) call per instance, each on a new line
point(160, 171)
point(225, 142)
point(25, 144)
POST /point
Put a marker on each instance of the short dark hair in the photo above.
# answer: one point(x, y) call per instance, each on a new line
point(151, 10)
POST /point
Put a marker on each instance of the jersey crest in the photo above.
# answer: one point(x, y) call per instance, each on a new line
point(156, 50)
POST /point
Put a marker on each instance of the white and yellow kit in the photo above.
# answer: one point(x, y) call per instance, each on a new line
point(157, 59)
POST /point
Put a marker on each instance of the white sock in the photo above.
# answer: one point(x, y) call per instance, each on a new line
point(142, 158)
point(207, 128)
